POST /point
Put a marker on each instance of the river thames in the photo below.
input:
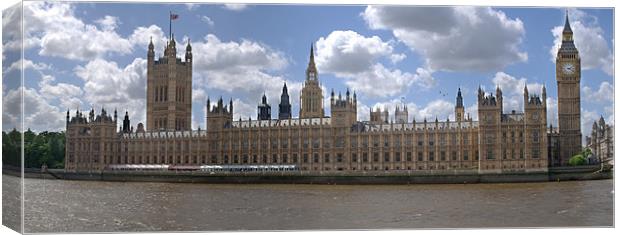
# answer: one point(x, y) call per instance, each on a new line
point(92, 206)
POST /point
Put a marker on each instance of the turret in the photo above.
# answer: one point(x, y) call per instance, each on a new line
point(459, 109)
point(264, 109)
point(219, 117)
point(151, 52)
point(499, 98)
point(171, 51)
point(526, 95)
point(344, 111)
point(348, 94)
point(208, 107)
point(188, 52)
point(285, 105)
point(231, 107)
point(544, 96)
point(91, 115)
point(126, 123)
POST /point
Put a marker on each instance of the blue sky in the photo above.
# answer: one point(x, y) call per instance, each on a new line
point(93, 54)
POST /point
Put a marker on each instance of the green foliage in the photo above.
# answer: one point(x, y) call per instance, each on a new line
point(586, 152)
point(577, 160)
point(43, 148)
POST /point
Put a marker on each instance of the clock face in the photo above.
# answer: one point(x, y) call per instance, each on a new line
point(568, 68)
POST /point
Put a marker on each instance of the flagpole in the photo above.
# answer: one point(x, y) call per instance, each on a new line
point(170, 28)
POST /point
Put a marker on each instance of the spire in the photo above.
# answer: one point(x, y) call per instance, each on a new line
point(567, 28)
point(312, 53)
point(151, 46)
point(284, 89)
point(459, 99)
point(126, 123)
point(264, 100)
point(311, 71)
point(188, 52)
point(231, 106)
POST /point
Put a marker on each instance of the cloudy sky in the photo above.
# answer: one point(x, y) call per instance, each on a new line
point(94, 54)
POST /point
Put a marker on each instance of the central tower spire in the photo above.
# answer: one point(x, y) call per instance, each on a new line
point(311, 71)
point(311, 100)
point(568, 76)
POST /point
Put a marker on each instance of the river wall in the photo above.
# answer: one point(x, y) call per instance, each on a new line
point(440, 177)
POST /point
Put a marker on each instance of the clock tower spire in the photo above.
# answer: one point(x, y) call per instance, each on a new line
point(568, 76)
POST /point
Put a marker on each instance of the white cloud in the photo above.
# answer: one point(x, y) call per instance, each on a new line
point(53, 28)
point(453, 38)
point(199, 97)
point(27, 64)
point(58, 32)
point(346, 53)
point(440, 109)
point(244, 110)
point(38, 114)
point(242, 69)
point(218, 55)
point(393, 82)
point(604, 93)
point(587, 117)
point(191, 6)
point(11, 30)
point(363, 112)
point(589, 39)
point(108, 23)
point(351, 56)
point(52, 91)
point(207, 20)
point(235, 6)
point(142, 35)
point(552, 111)
point(395, 58)
point(512, 90)
point(108, 85)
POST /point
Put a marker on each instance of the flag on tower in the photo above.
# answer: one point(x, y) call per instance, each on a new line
point(172, 17)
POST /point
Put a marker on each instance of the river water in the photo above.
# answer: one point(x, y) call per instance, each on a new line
point(92, 206)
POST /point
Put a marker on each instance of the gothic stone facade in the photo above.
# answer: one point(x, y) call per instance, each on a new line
point(568, 76)
point(169, 89)
point(601, 140)
point(497, 142)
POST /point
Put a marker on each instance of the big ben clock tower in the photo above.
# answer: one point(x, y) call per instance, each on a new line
point(568, 76)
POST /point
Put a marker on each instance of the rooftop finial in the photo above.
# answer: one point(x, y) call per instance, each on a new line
point(567, 28)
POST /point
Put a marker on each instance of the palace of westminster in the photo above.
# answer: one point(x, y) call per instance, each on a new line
point(497, 142)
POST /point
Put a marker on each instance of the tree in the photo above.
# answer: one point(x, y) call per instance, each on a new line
point(43, 148)
point(586, 152)
point(577, 160)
